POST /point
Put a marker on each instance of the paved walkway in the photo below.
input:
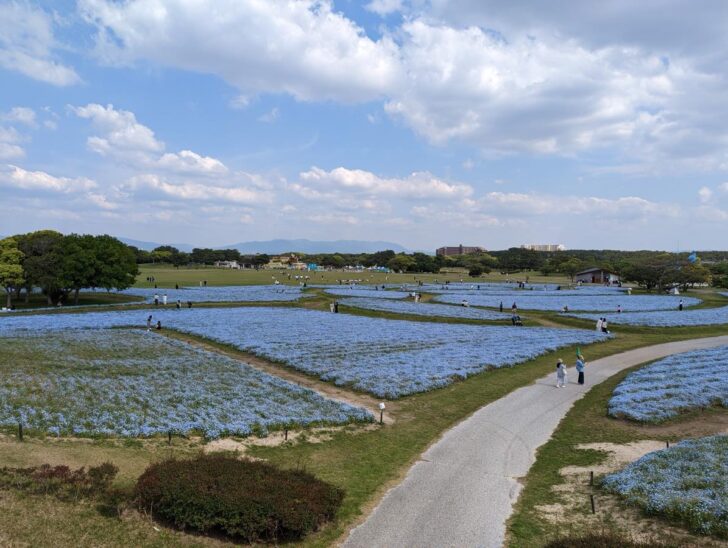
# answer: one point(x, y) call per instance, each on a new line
point(462, 490)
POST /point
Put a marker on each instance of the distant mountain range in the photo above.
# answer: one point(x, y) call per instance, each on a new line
point(283, 246)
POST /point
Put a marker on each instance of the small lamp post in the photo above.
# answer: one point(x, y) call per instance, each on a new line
point(382, 407)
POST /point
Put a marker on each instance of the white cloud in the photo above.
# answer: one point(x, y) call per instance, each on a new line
point(9, 147)
point(149, 185)
point(302, 47)
point(705, 194)
point(21, 115)
point(124, 138)
point(271, 116)
point(417, 185)
point(384, 7)
point(16, 177)
point(27, 44)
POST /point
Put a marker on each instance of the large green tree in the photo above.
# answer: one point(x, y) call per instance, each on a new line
point(11, 267)
point(42, 262)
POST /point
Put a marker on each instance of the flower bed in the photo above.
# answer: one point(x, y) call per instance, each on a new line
point(665, 388)
point(133, 383)
point(370, 293)
point(687, 483)
point(425, 309)
point(534, 301)
point(666, 318)
point(230, 293)
point(388, 358)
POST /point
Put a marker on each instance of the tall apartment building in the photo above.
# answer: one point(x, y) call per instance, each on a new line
point(544, 247)
point(458, 250)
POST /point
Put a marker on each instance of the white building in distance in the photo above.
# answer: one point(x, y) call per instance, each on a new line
point(544, 247)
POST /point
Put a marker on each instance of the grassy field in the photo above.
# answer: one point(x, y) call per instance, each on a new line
point(587, 422)
point(168, 276)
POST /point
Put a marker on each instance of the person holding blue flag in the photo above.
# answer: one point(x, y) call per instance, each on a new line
point(580, 365)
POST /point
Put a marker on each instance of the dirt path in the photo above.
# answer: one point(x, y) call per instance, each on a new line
point(281, 371)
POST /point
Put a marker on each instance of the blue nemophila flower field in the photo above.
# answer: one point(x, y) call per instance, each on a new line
point(387, 358)
point(533, 300)
point(137, 383)
point(666, 318)
point(232, 293)
point(667, 387)
point(511, 290)
point(687, 483)
point(425, 309)
point(371, 293)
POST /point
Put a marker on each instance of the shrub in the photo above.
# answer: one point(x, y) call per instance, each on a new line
point(247, 500)
point(600, 540)
point(60, 480)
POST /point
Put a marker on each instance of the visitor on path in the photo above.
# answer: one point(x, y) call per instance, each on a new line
point(179, 304)
point(680, 306)
point(605, 329)
point(176, 286)
point(331, 307)
point(336, 307)
point(164, 299)
point(580, 364)
point(159, 325)
point(599, 325)
point(514, 308)
point(156, 300)
point(560, 374)
point(619, 309)
point(501, 306)
point(149, 322)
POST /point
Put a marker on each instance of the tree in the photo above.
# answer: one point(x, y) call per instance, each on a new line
point(41, 262)
point(114, 265)
point(400, 263)
point(571, 267)
point(475, 271)
point(78, 263)
point(11, 267)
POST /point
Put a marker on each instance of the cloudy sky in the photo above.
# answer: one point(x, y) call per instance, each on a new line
point(419, 122)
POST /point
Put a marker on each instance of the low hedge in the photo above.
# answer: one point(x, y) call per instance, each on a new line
point(248, 500)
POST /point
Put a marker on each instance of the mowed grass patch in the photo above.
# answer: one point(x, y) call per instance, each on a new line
point(588, 422)
point(168, 276)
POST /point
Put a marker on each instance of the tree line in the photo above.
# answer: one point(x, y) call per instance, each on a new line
point(60, 266)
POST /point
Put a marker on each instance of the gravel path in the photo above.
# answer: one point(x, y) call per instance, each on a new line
point(462, 490)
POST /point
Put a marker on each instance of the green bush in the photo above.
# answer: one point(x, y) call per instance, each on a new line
point(60, 480)
point(247, 500)
point(601, 540)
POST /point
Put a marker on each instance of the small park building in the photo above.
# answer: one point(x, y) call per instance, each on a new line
point(596, 276)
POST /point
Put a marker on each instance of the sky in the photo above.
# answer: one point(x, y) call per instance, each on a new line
point(425, 123)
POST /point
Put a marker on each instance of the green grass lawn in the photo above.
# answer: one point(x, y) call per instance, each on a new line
point(168, 276)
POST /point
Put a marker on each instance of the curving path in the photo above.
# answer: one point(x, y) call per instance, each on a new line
point(462, 490)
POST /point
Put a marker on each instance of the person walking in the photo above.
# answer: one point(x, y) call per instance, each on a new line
point(501, 306)
point(179, 304)
point(164, 299)
point(560, 374)
point(336, 307)
point(599, 325)
point(605, 328)
point(514, 308)
point(149, 322)
point(680, 306)
point(580, 366)
point(156, 299)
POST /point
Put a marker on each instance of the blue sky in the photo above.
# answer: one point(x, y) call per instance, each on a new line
point(424, 123)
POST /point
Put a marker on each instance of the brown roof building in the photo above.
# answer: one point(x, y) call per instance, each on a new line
point(459, 250)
